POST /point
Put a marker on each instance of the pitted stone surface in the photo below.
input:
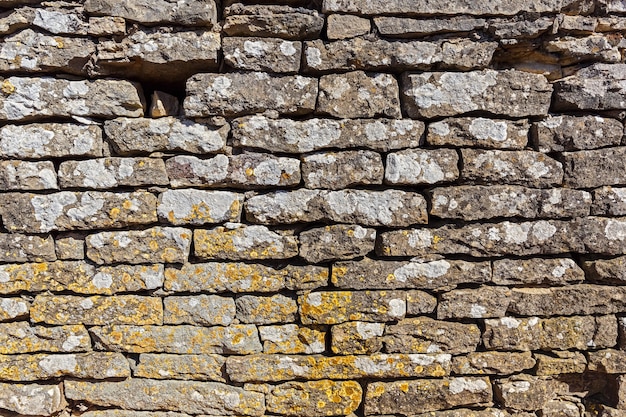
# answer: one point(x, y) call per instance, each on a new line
point(336, 242)
point(426, 335)
point(338, 170)
point(479, 132)
point(597, 87)
point(610, 201)
point(16, 247)
point(160, 11)
point(20, 337)
point(32, 399)
point(571, 133)
point(492, 363)
point(542, 271)
point(199, 207)
point(416, 166)
point(262, 54)
point(169, 366)
point(292, 339)
point(24, 175)
point(266, 310)
point(201, 310)
point(112, 173)
point(594, 168)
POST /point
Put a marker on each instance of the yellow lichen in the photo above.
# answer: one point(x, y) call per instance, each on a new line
point(7, 87)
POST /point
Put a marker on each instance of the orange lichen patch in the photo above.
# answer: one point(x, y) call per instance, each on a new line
point(325, 397)
point(314, 306)
point(7, 88)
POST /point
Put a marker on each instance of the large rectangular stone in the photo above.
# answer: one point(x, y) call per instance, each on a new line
point(170, 366)
point(181, 207)
point(401, 27)
point(335, 242)
point(479, 132)
point(422, 166)
point(339, 170)
point(597, 87)
point(157, 12)
point(426, 335)
point(492, 363)
point(594, 168)
point(486, 301)
point(26, 175)
point(112, 172)
point(262, 54)
point(21, 337)
point(277, 308)
point(32, 399)
point(16, 247)
point(574, 133)
point(357, 338)
point(200, 310)
point(537, 271)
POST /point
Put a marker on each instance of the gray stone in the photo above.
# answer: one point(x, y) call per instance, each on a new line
point(604, 235)
point(479, 132)
point(492, 363)
point(199, 207)
point(537, 271)
point(357, 337)
point(582, 25)
point(401, 27)
point(421, 166)
point(60, 19)
point(170, 366)
point(106, 26)
point(199, 310)
point(112, 172)
point(336, 242)
point(21, 337)
point(525, 392)
point(606, 271)
point(25, 175)
point(426, 335)
point(597, 87)
point(419, 303)
point(520, 27)
point(13, 308)
point(18, 18)
point(339, 170)
point(69, 248)
point(508, 93)
point(477, 303)
point(262, 54)
point(23, 248)
point(32, 399)
point(343, 26)
point(595, 168)
point(202, 13)
point(266, 310)
point(563, 362)
point(572, 50)
point(292, 339)
point(609, 201)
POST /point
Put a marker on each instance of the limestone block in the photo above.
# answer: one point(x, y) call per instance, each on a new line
point(200, 310)
point(195, 207)
point(314, 398)
point(336, 242)
point(357, 337)
point(609, 201)
point(25, 175)
point(563, 362)
point(609, 361)
point(339, 170)
point(343, 26)
point(479, 132)
point(402, 27)
point(158, 12)
point(594, 168)
point(417, 166)
point(597, 87)
point(482, 302)
point(603, 235)
point(21, 337)
point(426, 335)
point(169, 366)
point(266, 310)
point(492, 363)
point(24, 248)
point(13, 308)
point(574, 133)
point(262, 54)
point(419, 303)
point(525, 392)
point(32, 399)
point(112, 172)
point(537, 271)
point(69, 248)
point(606, 271)
point(292, 339)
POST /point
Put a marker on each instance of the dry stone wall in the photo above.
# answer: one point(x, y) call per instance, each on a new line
point(313, 208)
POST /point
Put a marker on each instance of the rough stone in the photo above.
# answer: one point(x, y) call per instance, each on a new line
point(32, 399)
point(479, 132)
point(69, 248)
point(401, 27)
point(343, 26)
point(21, 337)
point(69, 210)
point(22, 98)
point(609, 361)
point(419, 302)
point(13, 308)
point(130, 413)
point(597, 87)
point(58, 18)
point(595, 168)
point(422, 166)
point(339, 170)
point(357, 337)
point(237, 94)
point(238, 242)
point(537, 271)
point(17, 19)
point(112, 172)
point(158, 244)
point(609, 201)
point(106, 26)
point(25, 175)
point(158, 12)
point(295, 136)
point(163, 104)
point(439, 274)
point(50, 140)
point(199, 207)
point(262, 54)
point(292, 339)
point(425, 395)
point(574, 133)
point(169, 366)
point(520, 28)
point(572, 50)
point(235, 339)
point(426, 335)
point(604, 235)
point(333, 307)
point(606, 271)
point(477, 303)
point(23, 248)
point(492, 363)
point(212, 398)
point(564, 362)
point(508, 93)
point(266, 310)
point(556, 333)
point(525, 392)
point(314, 398)
point(336, 242)
point(200, 310)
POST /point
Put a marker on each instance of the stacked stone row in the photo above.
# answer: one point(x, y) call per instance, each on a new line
point(377, 208)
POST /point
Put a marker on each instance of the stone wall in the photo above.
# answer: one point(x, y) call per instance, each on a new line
point(313, 208)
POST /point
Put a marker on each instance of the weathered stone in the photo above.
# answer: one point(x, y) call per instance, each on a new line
point(604, 235)
point(525, 392)
point(598, 48)
point(18, 18)
point(59, 18)
point(564, 362)
point(23, 248)
point(267, 21)
point(609, 201)
point(69, 248)
point(609, 361)
point(314, 398)
point(106, 26)
point(158, 244)
point(542, 271)
point(169, 366)
point(508, 93)
point(522, 27)
point(405, 397)
point(235, 339)
point(20, 337)
point(341, 306)
point(249, 170)
point(13, 308)
point(558, 407)
point(160, 11)
point(597, 87)
point(32, 399)
point(339, 170)
point(479, 132)
point(595, 168)
point(262, 54)
point(461, 412)
point(50, 140)
point(421, 166)
point(132, 136)
point(238, 241)
point(433, 275)
point(163, 104)
point(216, 277)
point(22, 98)
point(486, 239)
point(357, 337)
point(112, 172)
point(291, 338)
point(130, 413)
point(606, 271)
point(477, 303)
point(400, 27)
point(343, 26)
point(266, 310)
point(419, 302)
point(358, 94)
point(425, 335)
point(200, 310)
point(580, 25)
point(211, 398)
point(29, 51)
point(475, 202)
point(559, 333)
point(92, 365)
point(492, 363)
point(96, 310)
point(273, 368)
point(69, 210)
point(336, 242)
point(365, 207)
point(199, 207)
point(300, 136)
point(573, 133)
point(238, 94)
point(24, 175)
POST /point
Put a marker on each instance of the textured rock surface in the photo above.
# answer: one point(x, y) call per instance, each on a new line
point(416, 166)
point(570, 133)
point(199, 207)
point(479, 132)
point(313, 398)
point(426, 335)
point(20, 337)
point(263, 54)
point(161, 11)
point(32, 399)
point(336, 242)
point(112, 173)
point(597, 87)
point(280, 21)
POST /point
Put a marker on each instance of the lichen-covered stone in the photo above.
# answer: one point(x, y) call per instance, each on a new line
point(402, 27)
point(69, 210)
point(69, 248)
point(563, 362)
point(332, 307)
point(238, 94)
point(609, 361)
point(524, 28)
point(32, 399)
point(477, 303)
point(525, 392)
point(492, 363)
point(96, 310)
point(92, 365)
point(574, 133)
point(211, 398)
point(292, 339)
point(199, 207)
point(112, 172)
point(138, 135)
point(200, 310)
point(13, 308)
point(24, 248)
point(479, 132)
point(130, 413)
point(21, 337)
point(339, 170)
point(597, 87)
point(18, 18)
point(266, 310)
point(541, 271)
point(556, 333)
point(169, 366)
point(158, 244)
point(25, 175)
point(604, 235)
point(343, 26)
point(609, 201)
point(422, 166)
point(235, 339)
point(419, 303)
point(359, 94)
point(597, 47)
point(336, 242)
point(426, 395)
point(300, 136)
point(37, 98)
point(606, 271)
point(272, 21)
point(160, 11)
point(507, 93)
point(594, 168)
point(434, 275)
point(426, 335)
point(474, 202)
point(262, 54)
point(357, 337)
